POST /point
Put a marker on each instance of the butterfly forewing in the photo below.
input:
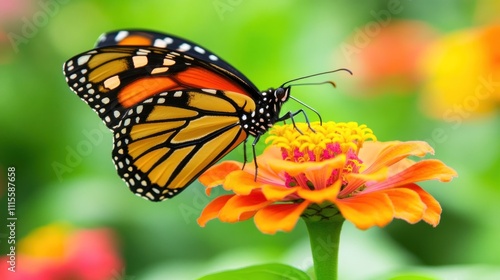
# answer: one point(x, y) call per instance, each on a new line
point(113, 79)
point(173, 43)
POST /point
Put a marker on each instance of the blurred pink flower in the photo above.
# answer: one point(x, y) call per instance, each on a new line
point(13, 10)
point(59, 252)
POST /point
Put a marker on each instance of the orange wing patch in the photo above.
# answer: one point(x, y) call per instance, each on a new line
point(139, 90)
point(135, 40)
point(197, 77)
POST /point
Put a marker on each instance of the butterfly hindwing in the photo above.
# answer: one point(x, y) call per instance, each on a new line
point(166, 142)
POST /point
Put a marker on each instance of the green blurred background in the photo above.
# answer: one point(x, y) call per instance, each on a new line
point(61, 150)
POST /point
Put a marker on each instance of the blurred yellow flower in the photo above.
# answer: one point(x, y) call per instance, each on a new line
point(335, 170)
point(462, 74)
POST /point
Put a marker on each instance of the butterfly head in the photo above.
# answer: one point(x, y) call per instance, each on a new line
point(282, 94)
point(267, 111)
point(273, 99)
point(276, 95)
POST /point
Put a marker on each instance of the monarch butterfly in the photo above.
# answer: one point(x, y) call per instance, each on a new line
point(174, 107)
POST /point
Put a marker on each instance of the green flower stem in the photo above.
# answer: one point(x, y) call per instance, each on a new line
point(324, 235)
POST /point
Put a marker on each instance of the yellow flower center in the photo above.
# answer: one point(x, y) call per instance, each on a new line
point(319, 142)
point(316, 144)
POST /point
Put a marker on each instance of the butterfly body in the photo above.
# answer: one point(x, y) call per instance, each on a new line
point(174, 107)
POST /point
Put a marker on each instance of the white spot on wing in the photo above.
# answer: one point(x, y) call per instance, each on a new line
point(184, 47)
point(199, 50)
point(121, 35)
point(159, 70)
point(139, 109)
point(168, 62)
point(83, 59)
point(212, 91)
point(143, 52)
point(112, 82)
point(140, 61)
point(168, 40)
point(160, 43)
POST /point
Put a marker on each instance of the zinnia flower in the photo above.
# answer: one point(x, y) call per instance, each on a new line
point(330, 170)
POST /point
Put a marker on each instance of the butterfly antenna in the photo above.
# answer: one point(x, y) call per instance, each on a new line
point(318, 74)
point(315, 84)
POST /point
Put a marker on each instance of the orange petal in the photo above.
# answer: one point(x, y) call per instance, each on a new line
point(265, 173)
point(379, 155)
point(211, 211)
point(356, 180)
point(270, 152)
point(430, 169)
point(379, 175)
point(367, 210)
point(241, 182)
point(276, 193)
point(392, 153)
point(215, 175)
point(236, 207)
point(311, 168)
point(319, 176)
point(407, 204)
point(279, 217)
point(371, 150)
point(318, 196)
point(432, 213)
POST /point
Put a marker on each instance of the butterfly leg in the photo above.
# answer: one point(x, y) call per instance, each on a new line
point(255, 141)
point(291, 116)
point(245, 154)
